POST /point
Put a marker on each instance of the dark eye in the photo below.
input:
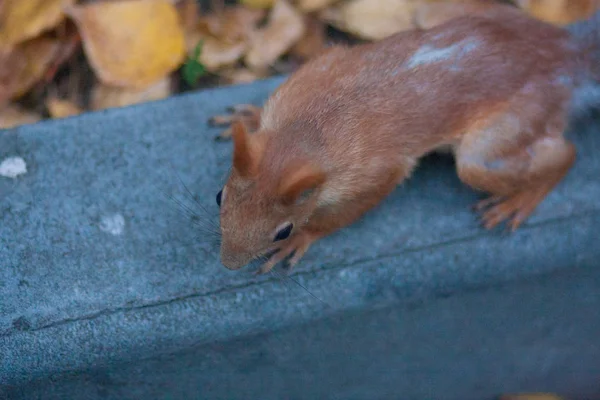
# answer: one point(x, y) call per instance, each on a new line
point(219, 195)
point(284, 232)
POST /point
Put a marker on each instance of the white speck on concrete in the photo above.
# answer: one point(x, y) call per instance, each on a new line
point(12, 167)
point(113, 224)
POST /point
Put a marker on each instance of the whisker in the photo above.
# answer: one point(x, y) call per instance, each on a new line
point(191, 195)
point(307, 291)
point(194, 218)
point(279, 277)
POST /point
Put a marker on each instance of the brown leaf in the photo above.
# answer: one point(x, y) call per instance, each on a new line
point(60, 108)
point(12, 115)
point(372, 19)
point(233, 24)
point(24, 19)
point(531, 396)
point(560, 12)
point(284, 28)
point(23, 66)
point(314, 5)
point(104, 96)
point(131, 43)
point(225, 36)
point(217, 54)
point(240, 75)
point(188, 14)
point(313, 41)
point(258, 3)
point(433, 13)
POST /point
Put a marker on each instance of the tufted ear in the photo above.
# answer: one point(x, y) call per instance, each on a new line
point(246, 151)
point(299, 181)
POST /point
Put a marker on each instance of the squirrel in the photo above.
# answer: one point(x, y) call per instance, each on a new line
point(496, 87)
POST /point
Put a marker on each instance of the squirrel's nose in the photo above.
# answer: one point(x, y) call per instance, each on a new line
point(232, 261)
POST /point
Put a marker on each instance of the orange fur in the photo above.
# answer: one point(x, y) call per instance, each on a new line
point(299, 179)
point(495, 87)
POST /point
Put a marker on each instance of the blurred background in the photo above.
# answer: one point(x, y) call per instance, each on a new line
point(59, 58)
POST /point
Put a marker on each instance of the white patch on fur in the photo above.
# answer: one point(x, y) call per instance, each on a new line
point(113, 224)
point(428, 54)
point(12, 167)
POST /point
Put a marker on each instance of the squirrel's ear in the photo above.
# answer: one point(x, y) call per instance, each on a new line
point(246, 151)
point(299, 182)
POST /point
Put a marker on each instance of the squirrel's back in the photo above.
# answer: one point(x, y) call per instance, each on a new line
point(417, 83)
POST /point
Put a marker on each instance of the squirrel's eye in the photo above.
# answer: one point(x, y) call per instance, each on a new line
point(219, 195)
point(284, 232)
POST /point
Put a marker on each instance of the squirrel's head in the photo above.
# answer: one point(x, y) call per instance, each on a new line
point(268, 197)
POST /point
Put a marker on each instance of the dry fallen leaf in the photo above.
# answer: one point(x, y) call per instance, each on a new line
point(104, 96)
point(24, 19)
point(313, 41)
point(12, 115)
point(372, 19)
point(188, 14)
point(216, 54)
point(233, 24)
point(23, 66)
point(433, 13)
point(560, 12)
point(61, 108)
point(224, 35)
point(10, 63)
point(284, 28)
point(131, 43)
point(258, 3)
point(240, 76)
point(314, 5)
point(39, 53)
point(531, 396)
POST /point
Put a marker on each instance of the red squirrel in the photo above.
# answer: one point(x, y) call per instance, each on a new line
point(497, 87)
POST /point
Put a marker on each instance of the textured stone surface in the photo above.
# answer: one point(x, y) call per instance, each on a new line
point(98, 265)
point(536, 335)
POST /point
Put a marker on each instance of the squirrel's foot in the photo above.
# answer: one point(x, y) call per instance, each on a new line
point(296, 247)
point(513, 209)
point(247, 114)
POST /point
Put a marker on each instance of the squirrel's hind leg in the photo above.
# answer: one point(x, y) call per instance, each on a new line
point(518, 177)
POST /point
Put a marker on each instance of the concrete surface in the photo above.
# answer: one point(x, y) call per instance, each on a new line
point(109, 290)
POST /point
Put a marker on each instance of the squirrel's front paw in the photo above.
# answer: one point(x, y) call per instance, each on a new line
point(247, 114)
point(298, 245)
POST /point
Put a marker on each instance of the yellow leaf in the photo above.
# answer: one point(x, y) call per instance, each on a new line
point(104, 96)
point(258, 3)
point(60, 108)
point(131, 43)
point(24, 19)
point(559, 12)
point(12, 115)
point(372, 19)
point(284, 28)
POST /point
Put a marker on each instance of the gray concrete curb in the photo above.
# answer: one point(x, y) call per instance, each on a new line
point(80, 290)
